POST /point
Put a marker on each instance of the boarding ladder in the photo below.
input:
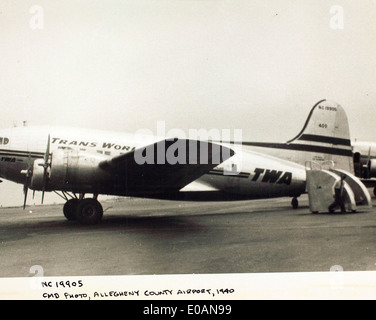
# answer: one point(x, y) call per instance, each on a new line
point(321, 181)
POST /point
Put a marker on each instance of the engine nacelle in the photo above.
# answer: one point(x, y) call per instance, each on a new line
point(372, 168)
point(38, 173)
point(70, 170)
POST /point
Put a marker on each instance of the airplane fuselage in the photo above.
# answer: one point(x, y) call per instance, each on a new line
point(75, 154)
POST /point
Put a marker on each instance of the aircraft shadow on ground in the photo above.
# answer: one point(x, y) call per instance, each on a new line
point(146, 223)
point(140, 224)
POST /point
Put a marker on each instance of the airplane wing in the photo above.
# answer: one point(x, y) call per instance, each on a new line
point(166, 166)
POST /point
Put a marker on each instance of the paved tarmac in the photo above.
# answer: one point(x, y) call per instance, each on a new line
point(138, 237)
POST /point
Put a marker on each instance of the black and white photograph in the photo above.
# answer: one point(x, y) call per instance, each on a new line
point(187, 149)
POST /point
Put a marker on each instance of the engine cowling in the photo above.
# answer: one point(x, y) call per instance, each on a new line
point(372, 168)
point(70, 170)
point(38, 173)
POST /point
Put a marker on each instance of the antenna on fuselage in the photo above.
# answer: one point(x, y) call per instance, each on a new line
point(16, 123)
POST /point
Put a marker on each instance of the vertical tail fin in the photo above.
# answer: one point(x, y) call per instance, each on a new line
point(326, 135)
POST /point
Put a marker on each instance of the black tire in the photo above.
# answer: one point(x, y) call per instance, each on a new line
point(69, 209)
point(89, 211)
point(295, 203)
point(374, 191)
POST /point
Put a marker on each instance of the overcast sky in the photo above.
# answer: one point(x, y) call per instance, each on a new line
point(257, 65)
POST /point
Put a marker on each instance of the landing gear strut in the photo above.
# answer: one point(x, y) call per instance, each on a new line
point(84, 210)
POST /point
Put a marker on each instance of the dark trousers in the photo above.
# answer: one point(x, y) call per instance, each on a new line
point(338, 201)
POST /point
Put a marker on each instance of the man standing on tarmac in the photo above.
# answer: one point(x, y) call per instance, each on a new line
point(338, 196)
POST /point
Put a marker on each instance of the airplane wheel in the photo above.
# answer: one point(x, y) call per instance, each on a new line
point(374, 191)
point(69, 209)
point(295, 203)
point(89, 211)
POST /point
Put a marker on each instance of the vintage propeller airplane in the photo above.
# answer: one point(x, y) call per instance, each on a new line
point(76, 162)
point(365, 162)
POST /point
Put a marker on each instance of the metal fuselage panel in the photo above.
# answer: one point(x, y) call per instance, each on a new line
point(247, 174)
point(256, 175)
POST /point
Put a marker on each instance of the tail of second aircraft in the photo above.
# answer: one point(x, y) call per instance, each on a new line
point(325, 137)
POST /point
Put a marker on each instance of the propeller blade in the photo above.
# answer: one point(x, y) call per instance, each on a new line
point(45, 166)
point(47, 154)
point(25, 198)
point(368, 162)
point(27, 181)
